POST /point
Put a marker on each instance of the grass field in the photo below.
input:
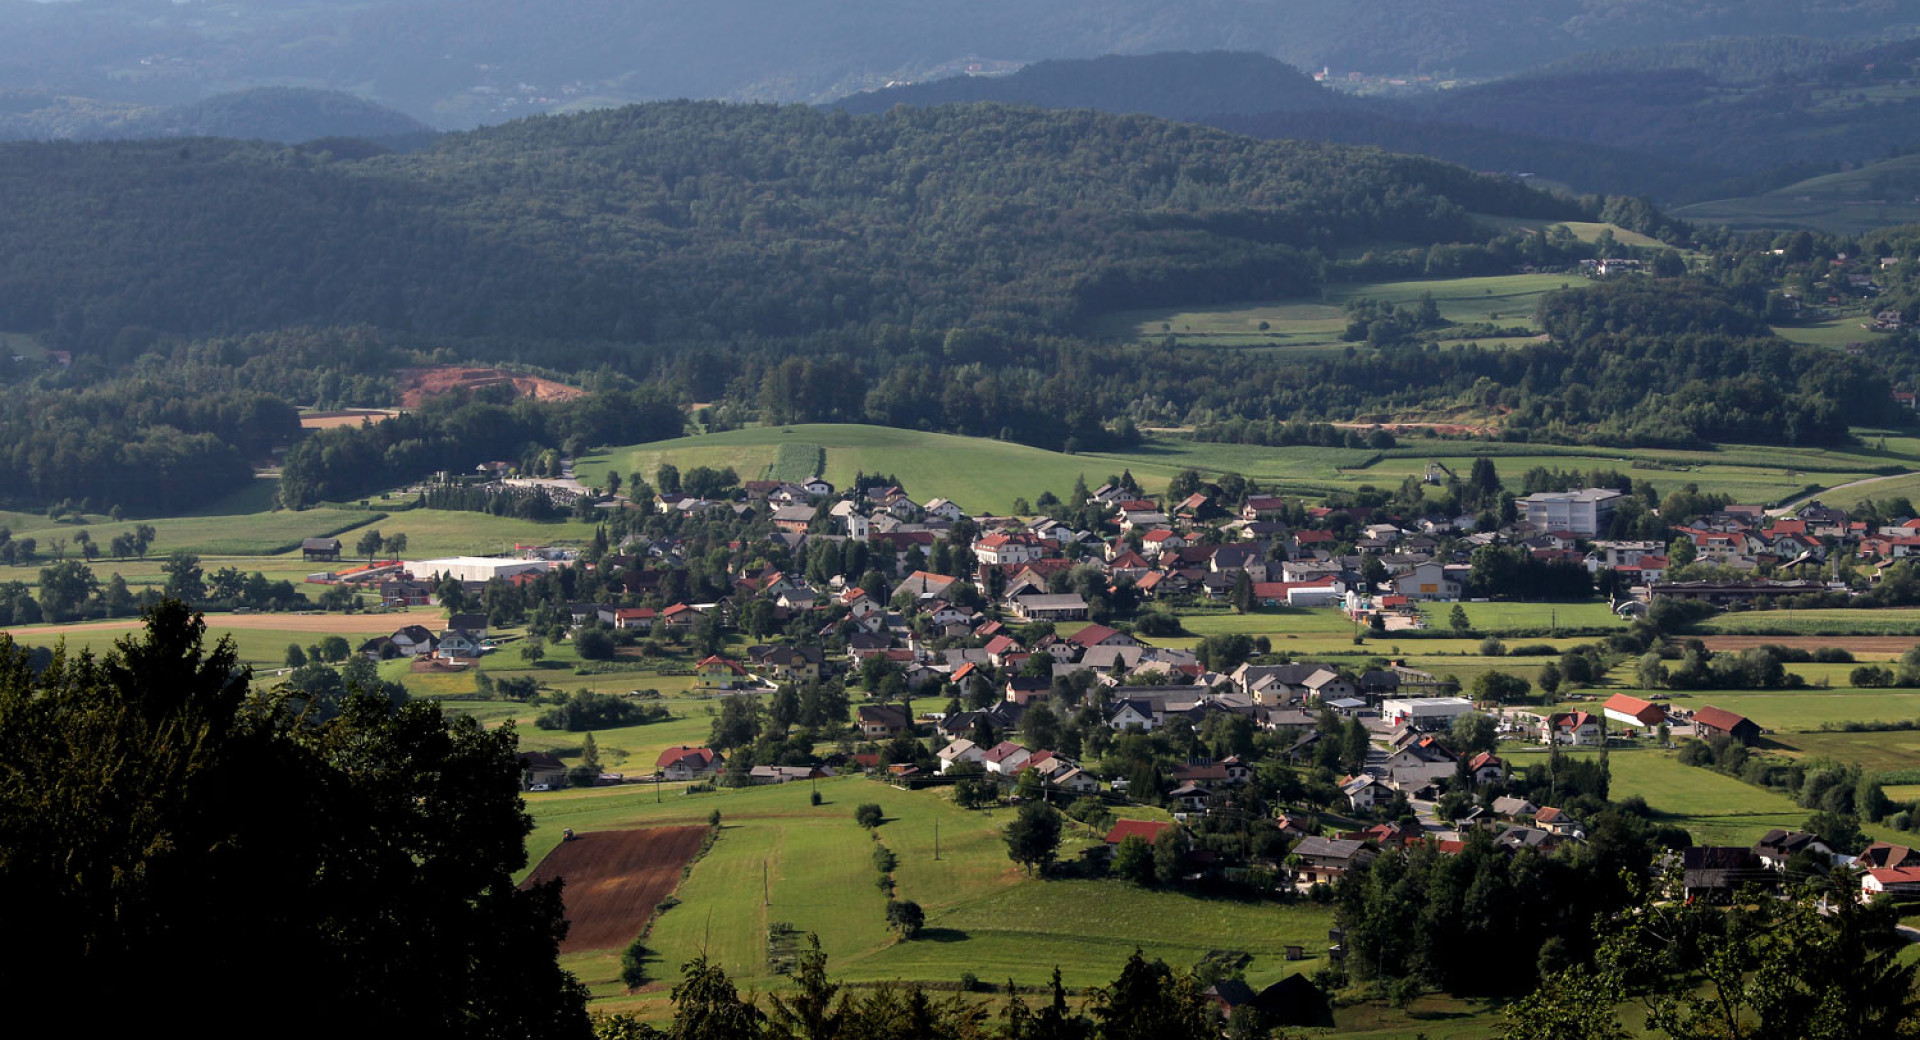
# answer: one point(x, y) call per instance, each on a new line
point(1716, 808)
point(984, 916)
point(979, 474)
point(238, 534)
point(1834, 332)
point(1906, 486)
point(1874, 196)
point(1800, 711)
point(1313, 327)
point(1835, 622)
point(1883, 752)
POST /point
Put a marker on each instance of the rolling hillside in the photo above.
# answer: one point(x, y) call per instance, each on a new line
point(1877, 195)
point(687, 221)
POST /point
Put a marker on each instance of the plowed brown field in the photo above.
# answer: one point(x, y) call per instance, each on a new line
point(614, 879)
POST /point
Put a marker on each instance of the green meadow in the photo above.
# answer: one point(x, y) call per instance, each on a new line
point(1898, 621)
point(1309, 328)
point(981, 475)
point(781, 859)
point(1850, 202)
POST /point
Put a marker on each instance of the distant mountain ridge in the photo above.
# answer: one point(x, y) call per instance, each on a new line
point(1677, 123)
point(467, 62)
point(287, 115)
point(1174, 85)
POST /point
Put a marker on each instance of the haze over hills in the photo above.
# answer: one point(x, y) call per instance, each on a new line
point(1678, 122)
point(1173, 85)
point(289, 115)
point(475, 61)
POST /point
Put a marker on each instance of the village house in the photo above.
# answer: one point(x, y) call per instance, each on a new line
point(960, 750)
point(881, 721)
point(540, 769)
point(1575, 728)
point(1005, 758)
point(716, 674)
point(1326, 860)
point(688, 763)
point(1365, 791)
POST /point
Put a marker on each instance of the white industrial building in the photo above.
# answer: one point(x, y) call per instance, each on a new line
point(1585, 512)
point(1425, 712)
point(474, 568)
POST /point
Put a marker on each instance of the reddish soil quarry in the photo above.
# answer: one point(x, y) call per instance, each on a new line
point(418, 384)
point(614, 879)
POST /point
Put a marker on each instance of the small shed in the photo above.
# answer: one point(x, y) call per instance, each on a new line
point(320, 548)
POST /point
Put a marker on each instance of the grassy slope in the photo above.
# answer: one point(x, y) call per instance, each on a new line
point(1313, 327)
point(983, 915)
point(987, 475)
point(1844, 202)
point(980, 474)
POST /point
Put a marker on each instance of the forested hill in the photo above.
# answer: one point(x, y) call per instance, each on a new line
point(682, 221)
point(1177, 85)
point(1259, 96)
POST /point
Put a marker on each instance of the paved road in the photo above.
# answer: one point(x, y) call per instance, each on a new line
point(1790, 504)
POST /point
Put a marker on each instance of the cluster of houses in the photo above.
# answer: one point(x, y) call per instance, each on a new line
point(1626, 716)
point(1717, 873)
point(458, 644)
point(1798, 550)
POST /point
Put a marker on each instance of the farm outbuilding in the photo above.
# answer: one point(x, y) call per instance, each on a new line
point(1709, 721)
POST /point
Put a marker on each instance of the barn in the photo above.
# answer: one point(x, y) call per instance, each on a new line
point(1709, 721)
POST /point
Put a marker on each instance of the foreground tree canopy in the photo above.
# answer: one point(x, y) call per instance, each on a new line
point(185, 842)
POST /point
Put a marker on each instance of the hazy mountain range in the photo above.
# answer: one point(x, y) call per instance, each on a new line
point(455, 63)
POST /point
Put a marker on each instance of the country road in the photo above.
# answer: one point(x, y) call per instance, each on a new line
point(1790, 504)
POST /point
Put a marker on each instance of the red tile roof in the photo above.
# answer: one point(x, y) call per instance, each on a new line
point(1145, 830)
point(1092, 635)
point(1719, 718)
point(696, 757)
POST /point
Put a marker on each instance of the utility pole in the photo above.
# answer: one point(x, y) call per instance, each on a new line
point(766, 889)
point(936, 839)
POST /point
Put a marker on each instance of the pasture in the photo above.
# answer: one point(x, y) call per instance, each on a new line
point(980, 474)
point(1803, 711)
point(1313, 328)
point(1836, 333)
point(1716, 808)
point(1897, 621)
point(239, 534)
point(1874, 196)
point(781, 859)
point(1888, 751)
